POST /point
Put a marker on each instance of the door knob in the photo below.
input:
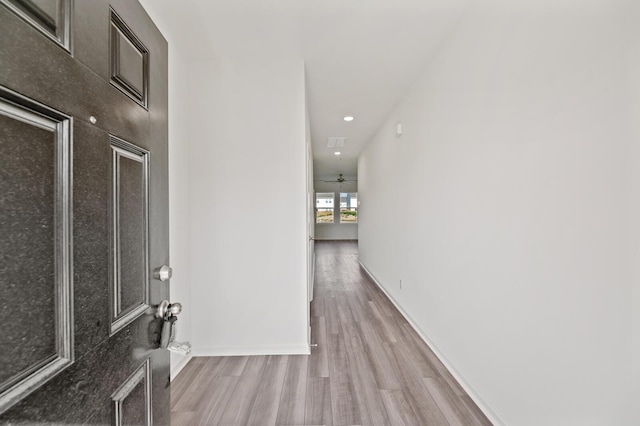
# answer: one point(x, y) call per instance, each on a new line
point(166, 309)
point(163, 273)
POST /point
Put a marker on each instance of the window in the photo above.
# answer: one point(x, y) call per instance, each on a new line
point(324, 207)
point(348, 207)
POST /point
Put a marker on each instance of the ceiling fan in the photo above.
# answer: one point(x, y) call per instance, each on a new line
point(341, 180)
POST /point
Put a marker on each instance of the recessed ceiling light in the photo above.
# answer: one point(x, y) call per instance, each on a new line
point(348, 118)
point(337, 153)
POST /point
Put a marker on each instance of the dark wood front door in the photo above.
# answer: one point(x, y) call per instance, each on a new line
point(83, 213)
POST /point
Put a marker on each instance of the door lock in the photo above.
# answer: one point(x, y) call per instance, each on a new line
point(166, 309)
point(163, 273)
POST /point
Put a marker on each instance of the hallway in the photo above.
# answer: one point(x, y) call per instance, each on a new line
point(369, 367)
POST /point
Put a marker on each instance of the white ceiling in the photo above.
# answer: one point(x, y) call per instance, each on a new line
point(360, 55)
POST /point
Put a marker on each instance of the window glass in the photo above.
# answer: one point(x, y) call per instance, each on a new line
point(348, 207)
point(324, 207)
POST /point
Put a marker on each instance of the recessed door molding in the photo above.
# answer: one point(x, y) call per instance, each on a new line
point(50, 361)
point(140, 378)
point(54, 21)
point(129, 61)
point(124, 311)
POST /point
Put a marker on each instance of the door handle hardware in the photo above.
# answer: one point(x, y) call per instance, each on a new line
point(168, 332)
point(166, 309)
point(163, 273)
point(168, 312)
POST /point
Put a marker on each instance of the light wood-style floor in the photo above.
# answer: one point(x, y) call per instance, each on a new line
point(369, 368)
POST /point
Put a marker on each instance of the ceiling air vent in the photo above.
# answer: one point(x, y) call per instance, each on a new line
point(334, 141)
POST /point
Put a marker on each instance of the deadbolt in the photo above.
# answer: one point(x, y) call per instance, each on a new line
point(163, 273)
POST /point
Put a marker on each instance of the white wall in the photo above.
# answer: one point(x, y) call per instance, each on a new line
point(248, 207)
point(634, 161)
point(515, 243)
point(238, 247)
point(336, 230)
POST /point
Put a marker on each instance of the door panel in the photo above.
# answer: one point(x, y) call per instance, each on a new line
point(132, 401)
point(58, 80)
point(50, 17)
point(83, 199)
point(131, 236)
point(35, 228)
point(130, 254)
point(129, 61)
point(93, 18)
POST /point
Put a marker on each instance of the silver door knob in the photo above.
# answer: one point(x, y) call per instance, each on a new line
point(175, 308)
point(163, 273)
point(166, 309)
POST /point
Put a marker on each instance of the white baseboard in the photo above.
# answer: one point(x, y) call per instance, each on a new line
point(180, 365)
point(491, 415)
point(250, 350)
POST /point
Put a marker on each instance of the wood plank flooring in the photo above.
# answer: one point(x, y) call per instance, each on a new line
point(369, 368)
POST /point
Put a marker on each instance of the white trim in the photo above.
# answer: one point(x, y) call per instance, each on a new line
point(179, 366)
point(491, 415)
point(251, 350)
